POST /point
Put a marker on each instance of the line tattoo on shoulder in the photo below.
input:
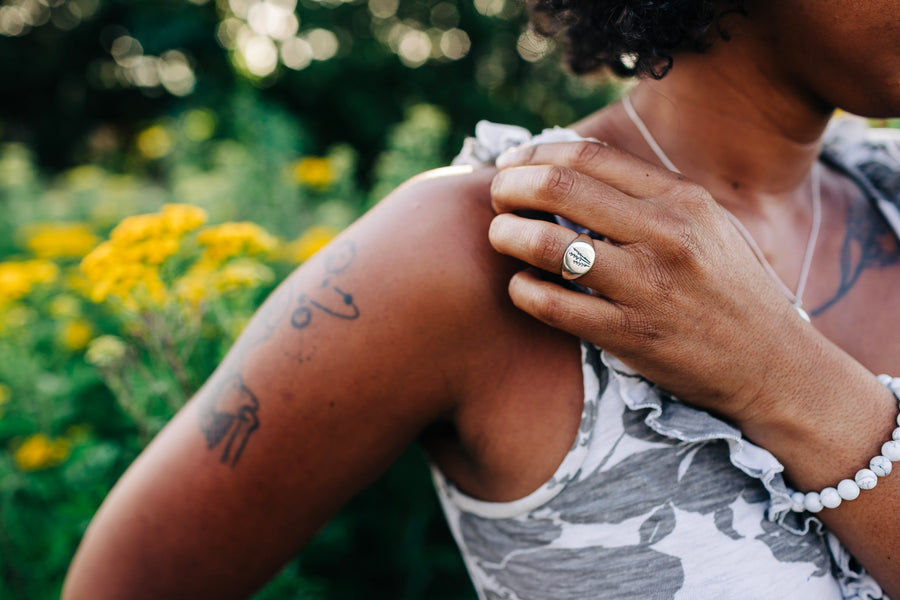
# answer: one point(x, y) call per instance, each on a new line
point(329, 299)
point(230, 416)
point(869, 243)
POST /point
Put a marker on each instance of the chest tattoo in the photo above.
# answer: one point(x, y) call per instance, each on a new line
point(869, 243)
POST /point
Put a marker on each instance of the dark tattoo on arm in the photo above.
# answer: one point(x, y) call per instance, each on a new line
point(336, 302)
point(869, 243)
point(230, 416)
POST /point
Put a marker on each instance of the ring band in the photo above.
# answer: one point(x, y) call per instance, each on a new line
point(578, 258)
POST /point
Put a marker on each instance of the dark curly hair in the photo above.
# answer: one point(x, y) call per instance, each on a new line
point(631, 37)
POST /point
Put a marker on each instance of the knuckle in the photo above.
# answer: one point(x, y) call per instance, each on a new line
point(588, 153)
point(677, 235)
point(660, 281)
point(640, 330)
point(547, 249)
point(646, 334)
point(557, 183)
point(549, 308)
point(692, 197)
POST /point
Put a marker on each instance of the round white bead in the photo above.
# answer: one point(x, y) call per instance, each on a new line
point(880, 466)
point(898, 417)
point(891, 450)
point(812, 502)
point(896, 434)
point(848, 490)
point(830, 498)
point(797, 501)
point(866, 479)
point(885, 379)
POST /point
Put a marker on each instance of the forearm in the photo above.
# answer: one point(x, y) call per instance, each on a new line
point(824, 416)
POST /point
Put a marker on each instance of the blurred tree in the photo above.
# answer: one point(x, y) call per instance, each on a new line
point(80, 77)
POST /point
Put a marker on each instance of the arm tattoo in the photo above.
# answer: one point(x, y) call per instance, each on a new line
point(869, 243)
point(335, 264)
point(230, 416)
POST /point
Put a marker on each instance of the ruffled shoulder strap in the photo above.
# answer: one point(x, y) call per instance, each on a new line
point(492, 139)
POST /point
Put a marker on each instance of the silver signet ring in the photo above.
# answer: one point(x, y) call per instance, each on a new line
point(578, 259)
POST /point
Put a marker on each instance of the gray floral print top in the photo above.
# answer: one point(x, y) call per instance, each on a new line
point(657, 499)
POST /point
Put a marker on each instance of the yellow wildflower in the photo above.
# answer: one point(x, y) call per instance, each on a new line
point(181, 218)
point(76, 334)
point(150, 252)
point(126, 266)
point(224, 241)
point(60, 240)
point(196, 285)
point(134, 282)
point(151, 283)
point(312, 240)
point(173, 220)
point(138, 228)
point(243, 273)
point(313, 171)
point(154, 142)
point(17, 278)
point(41, 452)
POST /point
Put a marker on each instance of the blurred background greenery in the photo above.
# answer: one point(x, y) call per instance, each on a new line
point(163, 165)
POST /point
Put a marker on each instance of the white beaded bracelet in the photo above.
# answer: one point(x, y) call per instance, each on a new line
point(865, 479)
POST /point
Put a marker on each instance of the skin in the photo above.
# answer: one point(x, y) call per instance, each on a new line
point(418, 322)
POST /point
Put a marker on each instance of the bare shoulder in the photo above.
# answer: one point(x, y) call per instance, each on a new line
point(343, 366)
point(517, 395)
point(432, 232)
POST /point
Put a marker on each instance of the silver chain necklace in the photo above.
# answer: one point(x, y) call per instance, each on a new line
point(815, 183)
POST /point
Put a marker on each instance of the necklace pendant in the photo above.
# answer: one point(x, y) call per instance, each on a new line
point(803, 314)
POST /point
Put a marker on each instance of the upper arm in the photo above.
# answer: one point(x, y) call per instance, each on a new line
point(334, 376)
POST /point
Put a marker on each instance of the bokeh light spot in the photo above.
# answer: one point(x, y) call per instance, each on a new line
point(455, 44)
point(414, 48)
point(324, 43)
point(296, 53)
point(383, 9)
point(490, 8)
point(261, 55)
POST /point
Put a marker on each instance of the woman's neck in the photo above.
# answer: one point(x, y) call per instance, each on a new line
point(743, 131)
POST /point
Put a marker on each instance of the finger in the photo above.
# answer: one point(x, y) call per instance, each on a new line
point(588, 317)
point(543, 245)
point(575, 196)
point(617, 168)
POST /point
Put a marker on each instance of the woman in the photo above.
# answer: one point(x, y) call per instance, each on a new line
point(419, 323)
